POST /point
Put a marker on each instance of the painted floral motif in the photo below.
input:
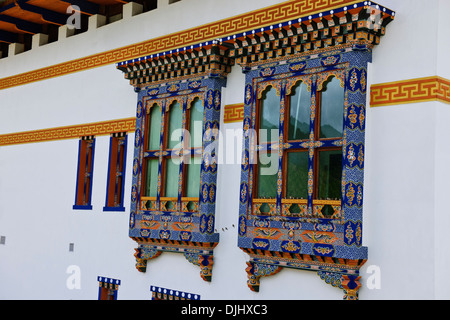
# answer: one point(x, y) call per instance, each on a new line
point(352, 116)
point(319, 237)
point(248, 94)
point(243, 192)
point(173, 88)
point(363, 80)
point(268, 233)
point(330, 60)
point(353, 80)
point(350, 193)
point(323, 250)
point(349, 233)
point(351, 157)
point(358, 234)
point(267, 72)
point(153, 92)
point(297, 66)
point(291, 246)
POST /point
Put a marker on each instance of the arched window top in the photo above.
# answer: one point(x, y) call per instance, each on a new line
point(268, 85)
point(299, 111)
point(325, 77)
point(153, 104)
point(176, 102)
point(196, 122)
point(294, 82)
point(154, 123)
point(196, 99)
point(175, 124)
point(269, 115)
point(332, 108)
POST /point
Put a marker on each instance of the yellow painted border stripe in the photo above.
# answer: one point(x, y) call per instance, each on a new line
point(69, 132)
point(433, 88)
point(256, 19)
point(233, 113)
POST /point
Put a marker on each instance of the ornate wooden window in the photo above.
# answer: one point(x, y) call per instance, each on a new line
point(299, 148)
point(116, 172)
point(174, 169)
point(301, 189)
point(85, 173)
point(176, 134)
point(301, 185)
point(173, 192)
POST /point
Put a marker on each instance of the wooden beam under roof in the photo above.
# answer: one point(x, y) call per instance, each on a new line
point(48, 15)
point(19, 24)
point(8, 37)
point(30, 17)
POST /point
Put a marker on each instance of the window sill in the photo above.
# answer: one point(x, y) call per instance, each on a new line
point(78, 207)
point(109, 209)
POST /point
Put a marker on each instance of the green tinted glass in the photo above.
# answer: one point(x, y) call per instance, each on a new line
point(196, 123)
point(267, 176)
point(299, 110)
point(269, 116)
point(330, 174)
point(332, 109)
point(193, 178)
point(175, 126)
point(297, 175)
point(155, 128)
point(152, 178)
point(172, 173)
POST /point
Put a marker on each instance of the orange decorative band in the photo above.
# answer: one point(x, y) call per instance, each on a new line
point(69, 132)
point(227, 27)
point(233, 113)
point(410, 91)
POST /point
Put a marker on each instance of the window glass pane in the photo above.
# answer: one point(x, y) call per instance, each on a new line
point(175, 126)
point(267, 176)
point(269, 116)
point(297, 175)
point(155, 128)
point(330, 175)
point(193, 178)
point(299, 110)
point(196, 123)
point(172, 173)
point(332, 109)
point(152, 178)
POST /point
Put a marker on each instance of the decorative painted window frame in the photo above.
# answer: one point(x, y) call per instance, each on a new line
point(338, 43)
point(309, 241)
point(191, 234)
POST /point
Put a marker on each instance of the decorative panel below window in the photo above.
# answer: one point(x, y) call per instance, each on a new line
point(174, 168)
